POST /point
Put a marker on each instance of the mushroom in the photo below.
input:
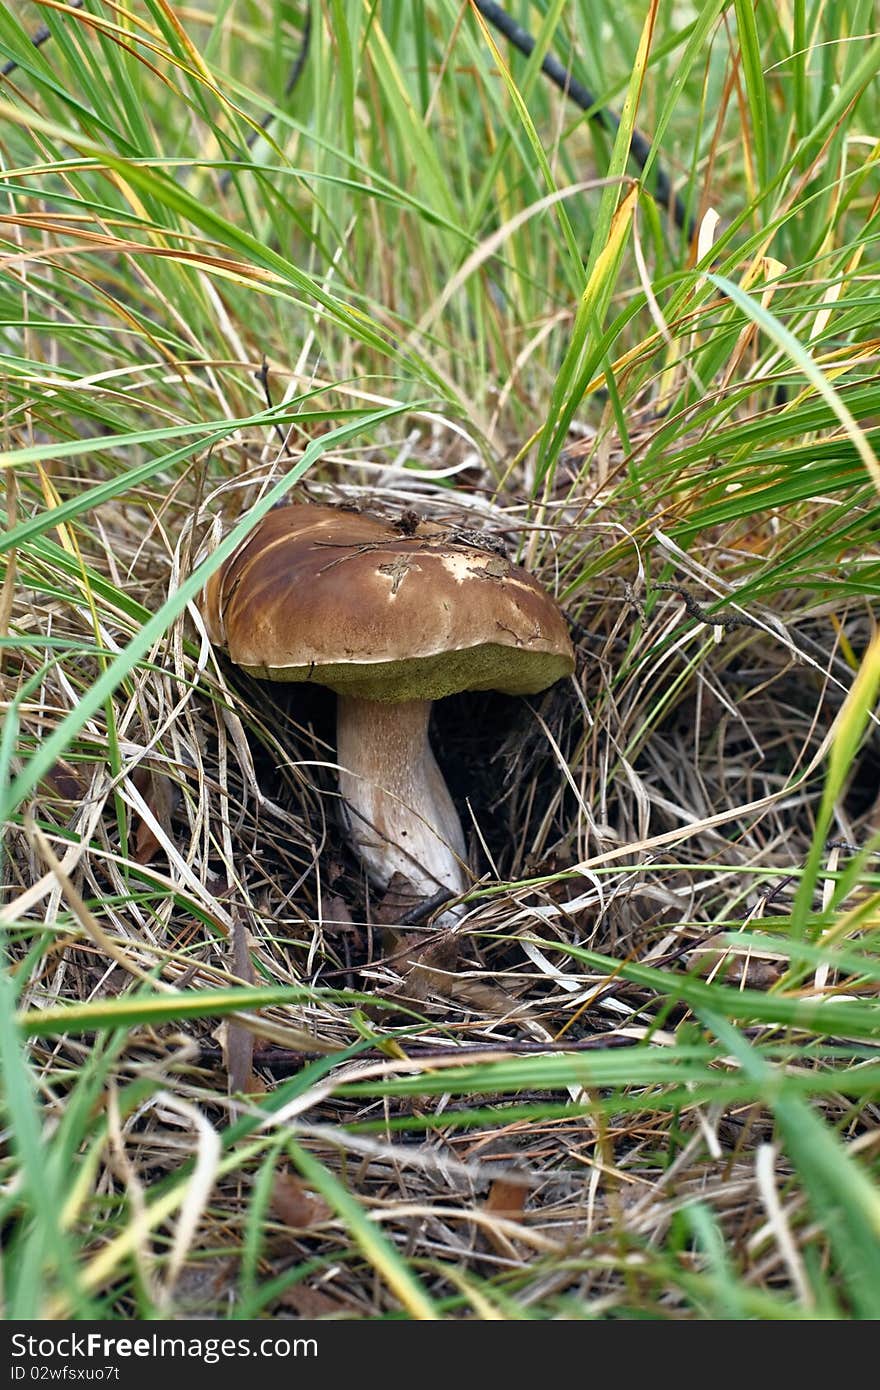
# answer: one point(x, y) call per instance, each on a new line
point(390, 618)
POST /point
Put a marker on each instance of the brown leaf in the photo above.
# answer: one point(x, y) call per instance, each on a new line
point(199, 1286)
point(735, 969)
point(335, 870)
point(294, 1205)
point(425, 963)
point(67, 782)
point(307, 1302)
point(507, 1199)
point(160, 794)
point(336, 914)
point(428, 965)
point(396, 900)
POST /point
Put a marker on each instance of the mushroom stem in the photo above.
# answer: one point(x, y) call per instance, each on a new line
point(398, 809)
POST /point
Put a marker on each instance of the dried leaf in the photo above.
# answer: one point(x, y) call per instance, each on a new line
point(732, 968)
point(428, 965)
point(307, 1302)
point(396, 900)
point(507, 1199)
point(201, 1284)
point(66, 781)
point(160, 794)
point(294, 1205)
point(336, 914)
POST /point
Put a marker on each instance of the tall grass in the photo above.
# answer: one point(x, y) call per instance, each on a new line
point(648, 1084)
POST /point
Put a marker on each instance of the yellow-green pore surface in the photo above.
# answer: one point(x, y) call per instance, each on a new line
point(345, 600)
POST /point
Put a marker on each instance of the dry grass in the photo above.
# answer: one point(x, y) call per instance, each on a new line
point(638, 817)
point(639, 1077)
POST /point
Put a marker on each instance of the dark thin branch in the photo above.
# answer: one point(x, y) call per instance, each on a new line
point(38, 38)
point(702, 615)
point(43, 34)
point(640, 146)
point(262, 376)
point(293, 77)
point(423, 910)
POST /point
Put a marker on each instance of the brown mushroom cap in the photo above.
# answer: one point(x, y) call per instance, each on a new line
point(344, 599)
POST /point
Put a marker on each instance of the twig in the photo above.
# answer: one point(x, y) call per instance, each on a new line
point(423, 910)
point(293, 77)
point(640, 146)
point(702, 615)
point(38, 38)
point(262, 376)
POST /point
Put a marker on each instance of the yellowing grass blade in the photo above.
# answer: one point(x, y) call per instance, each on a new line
point(585, 349)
